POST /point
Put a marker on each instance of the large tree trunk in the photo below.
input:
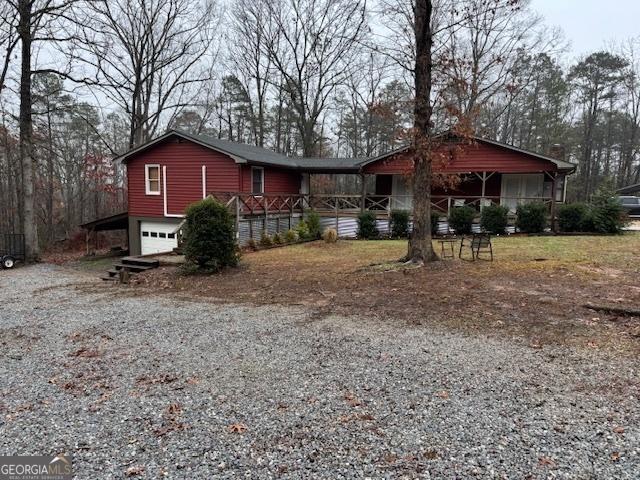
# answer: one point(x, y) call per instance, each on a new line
point(29, 227)
point(420, 246)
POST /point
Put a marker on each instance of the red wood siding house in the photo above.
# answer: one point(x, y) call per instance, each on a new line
point(177, 169)
point(189, 168)
point(487, 171)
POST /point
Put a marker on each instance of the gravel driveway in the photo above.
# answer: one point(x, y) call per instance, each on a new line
point(165, 387)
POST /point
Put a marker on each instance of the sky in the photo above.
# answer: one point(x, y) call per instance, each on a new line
point(590, 25)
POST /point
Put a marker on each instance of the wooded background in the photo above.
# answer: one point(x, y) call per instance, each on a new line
point(331, 78)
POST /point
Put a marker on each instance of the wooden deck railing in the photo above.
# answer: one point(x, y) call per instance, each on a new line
point(284, 203)
point(255, 214)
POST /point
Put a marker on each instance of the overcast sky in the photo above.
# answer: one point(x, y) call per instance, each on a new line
point(589, 24)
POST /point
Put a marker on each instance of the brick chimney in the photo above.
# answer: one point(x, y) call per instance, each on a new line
point(557, 151)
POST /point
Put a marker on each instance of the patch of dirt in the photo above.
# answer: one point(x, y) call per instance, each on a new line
point(538, 306)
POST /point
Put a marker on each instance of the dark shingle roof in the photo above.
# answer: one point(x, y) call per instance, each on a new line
point(251, 154)
point(630, 189)
point(243, 153)
point(258, 155)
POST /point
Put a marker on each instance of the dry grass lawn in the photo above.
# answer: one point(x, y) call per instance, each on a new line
point(535, 290)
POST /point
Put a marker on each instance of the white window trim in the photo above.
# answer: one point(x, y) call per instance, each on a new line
point(262, 183)
point(146, 179)
point(204, 181)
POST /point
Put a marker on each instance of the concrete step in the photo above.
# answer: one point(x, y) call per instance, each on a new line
point(133, 268)
point(141, 261)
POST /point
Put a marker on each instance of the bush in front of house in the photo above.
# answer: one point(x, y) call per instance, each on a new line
point(313, 223)
point(574, 217)
point(399, 224)
point(330, 235)
point(251, 244)
point(494, 219)
point(277, 239)
point(209, 236)
point(606, 213)
point(531, 217)
point(461, 219)
point(367, 229)
point(265, 239)
point(302, 229)
point(291, 236)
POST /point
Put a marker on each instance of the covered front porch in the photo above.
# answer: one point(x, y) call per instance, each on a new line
point(386, 192)
point(382, 194)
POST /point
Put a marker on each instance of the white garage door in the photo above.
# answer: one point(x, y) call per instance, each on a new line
point(157, 237)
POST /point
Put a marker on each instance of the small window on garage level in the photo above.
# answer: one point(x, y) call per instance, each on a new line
point(162, 235)
point(152, 179)
point(257, 180)
point(154, 234)
point(145, 234)
point(171, 235)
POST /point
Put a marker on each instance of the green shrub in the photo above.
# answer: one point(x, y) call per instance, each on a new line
point(399, 224)
point(574, 217)
point(265, 239)
point(330, 235)
point(588, 221)
point(494, 219)
point(532, 217)
point(461, 219)
point(303, 230)
point(606, 214)
point(435, 219)
point(367, 226)
point(210, 239)
point(277, 239)
point(251, 243)
point(291, 236)
point(313, 223)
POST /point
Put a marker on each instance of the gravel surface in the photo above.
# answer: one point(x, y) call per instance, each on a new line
point(167, 387)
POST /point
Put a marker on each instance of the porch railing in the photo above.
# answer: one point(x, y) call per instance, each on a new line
point(282, 203)
point(271, 213)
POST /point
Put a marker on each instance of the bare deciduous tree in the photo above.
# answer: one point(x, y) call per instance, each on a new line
point(312, 45)
point(150, 57)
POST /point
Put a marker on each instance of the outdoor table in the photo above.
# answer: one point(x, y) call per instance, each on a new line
point(447, 247)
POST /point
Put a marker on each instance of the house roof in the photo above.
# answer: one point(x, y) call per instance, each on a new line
point(119, 221)
point(253, 155)
point(630, 189)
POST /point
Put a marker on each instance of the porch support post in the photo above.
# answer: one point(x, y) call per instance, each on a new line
point(238, 218)
point(554, 227)
point(363, 193)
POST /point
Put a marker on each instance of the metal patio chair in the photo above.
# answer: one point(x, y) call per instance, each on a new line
point(479, 244)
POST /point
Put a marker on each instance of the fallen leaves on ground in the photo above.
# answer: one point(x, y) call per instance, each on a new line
point(546, 462)
point(237, 428)
point(134, 471)
point(352, 399)
point(171, 421)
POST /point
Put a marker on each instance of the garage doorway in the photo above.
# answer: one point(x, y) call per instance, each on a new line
point(157, 237)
